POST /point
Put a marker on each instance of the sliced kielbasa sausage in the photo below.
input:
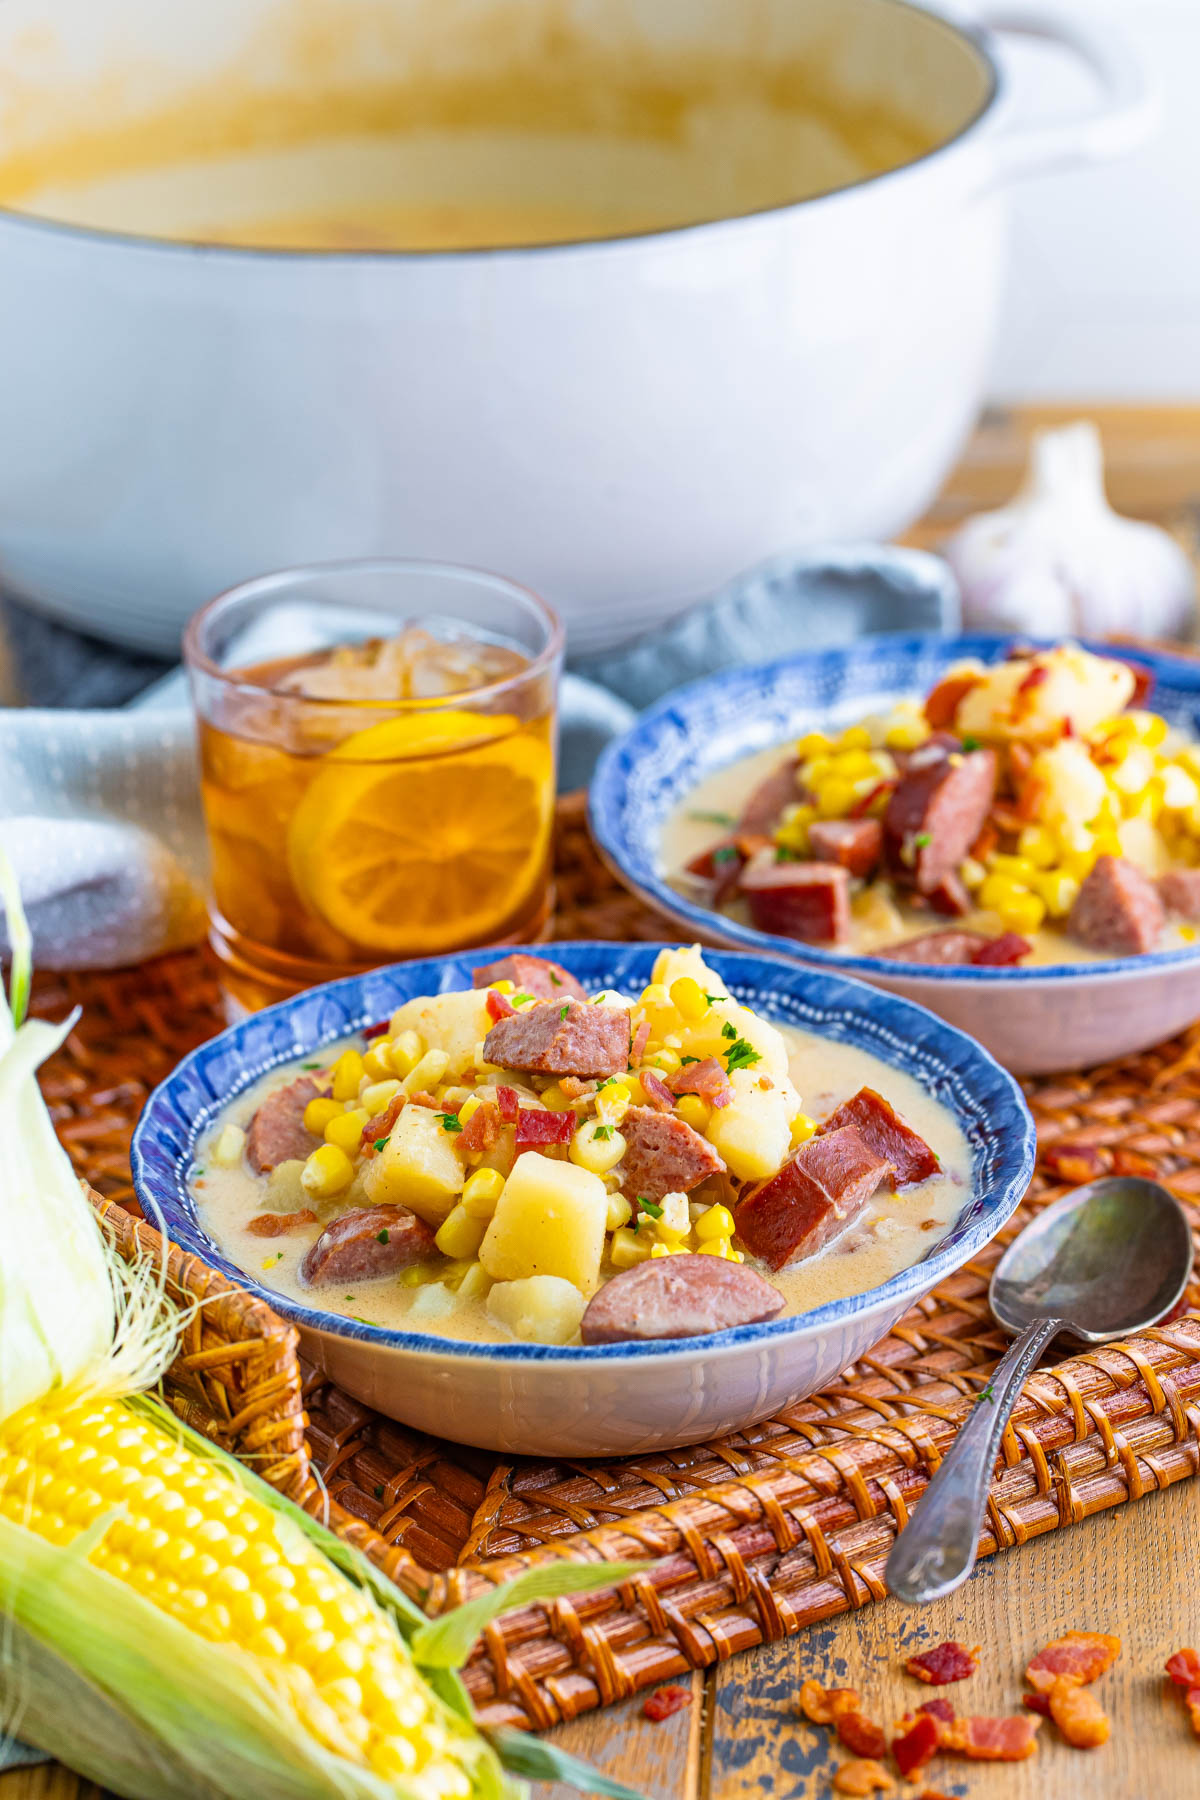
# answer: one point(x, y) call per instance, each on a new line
point(1179, 892)
point(826, 1184)
point(951, 948)
point(663, 1155)
point(937, 811)
point(1118, 909)
point(808, 901)
point(531, 975)
point(676, 1297)
point(856, 844)
point(882, 1130)
point(571, 1038)
point(762, 810)
point(277, 1131)
point(364, 1243)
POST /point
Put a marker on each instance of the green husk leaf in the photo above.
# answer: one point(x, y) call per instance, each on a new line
point(537, 1760)
point(446, 1642)
point(20, 942)
point(99, 1677)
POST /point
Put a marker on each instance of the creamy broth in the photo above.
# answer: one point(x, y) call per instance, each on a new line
point(894, 1231)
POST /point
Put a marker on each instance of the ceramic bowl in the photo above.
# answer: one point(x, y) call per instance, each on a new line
point(543, 1400)
point(1035, 1021)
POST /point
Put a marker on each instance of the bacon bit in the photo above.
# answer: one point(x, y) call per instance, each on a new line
point(992, 1740)
point(379, 1126)
point(933, 1794)
point(658, 1095)
point(1006, 818)
point(946, 1662)
point(1030, 798)
point(985, 843)
point(942, 702)
point(863, 1776)
point(749, 843)
point(860, 1734)
point(1184, 1668)
point(1078, 1714)
point(665, 1701)
point(862, 806)
point(706, 1078)
point(507, 1101)
point(938, 1708)
point(575, 1088)
point(1037, 1703)
point(917, 1744)
point(1191, 1700)
point(482, 1130)
point(499, 1006)
point(1074, 1162)
point(1037, 677)
point(822, 1705)
point(641, 1038)
point(540, 1126)
point(1077, 1656)
point(1020, 761)
point(427, 1100)
point(268, 1225)
point(374, 1031)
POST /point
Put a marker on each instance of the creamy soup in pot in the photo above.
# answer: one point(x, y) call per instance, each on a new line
point(502, 1214)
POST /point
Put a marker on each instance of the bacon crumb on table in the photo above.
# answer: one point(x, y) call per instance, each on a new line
point(863, 1776)
point(1009, 1739)
point(1184, 1670)
point(938, 1708)
point(1079, 1656)
point(842, 1708)
point(664, 1701)
point(916, 1742)
point(1078, 1714)
point(946, 1662)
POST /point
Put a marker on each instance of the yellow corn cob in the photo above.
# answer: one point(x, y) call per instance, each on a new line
point(199, 1547)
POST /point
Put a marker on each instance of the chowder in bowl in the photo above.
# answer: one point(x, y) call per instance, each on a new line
point(594, 1213)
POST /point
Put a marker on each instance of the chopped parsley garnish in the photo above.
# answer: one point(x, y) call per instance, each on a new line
point(988, 1393)
point(607, 1082)
point(556, 980)
point(449, 1121)
point(649, 1206)
point(381, 1237)
point(741, 1055)
point(713, 998)
point(726, 854)
point(711, 818)
point(380, 1142)
point(198, 1171)
point(729, 1030)
point(922, 838)
point(604, 1132)
point(970, 743)
point(564, 1010)
point(783, 854)
point(685, 1060)
point(361, 1321)
point(310, 1065)
point(520, 999)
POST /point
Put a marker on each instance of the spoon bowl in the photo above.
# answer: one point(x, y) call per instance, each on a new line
point(1101, 1263)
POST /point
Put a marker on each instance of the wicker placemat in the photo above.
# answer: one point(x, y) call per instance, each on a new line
point(756, 1534)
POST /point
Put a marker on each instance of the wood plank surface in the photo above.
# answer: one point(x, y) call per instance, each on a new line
point(1131, 1571)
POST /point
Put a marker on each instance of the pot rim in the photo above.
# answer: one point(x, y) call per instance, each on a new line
point(977, 38)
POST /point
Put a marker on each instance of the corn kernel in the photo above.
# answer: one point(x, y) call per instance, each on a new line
point(973, 873)
point(906, 734)
point(596, 1147)
point(802, 1128)
point(717, 1246)
point(407, 1049)
point(637, 1095)
point(835, 797)
point(318, 1113)
point(1017, 868)
point(717, 1222)
point(1058, 890)
point(347, 1073)
point(375, 1060)
point(629, 1247)
point(1146, 805)
point(812, 744)
point(689, 999)
point(660, 1249)
point(693, 1111)
point(327, 1171)
point(346, 1130)
point(227, 1151)
point(857, 765)
point(1187, 934)
point(460, 1233)
point(376, 1096)
point(1020, 909)
point(468, 1108)
point(1038, 846)
point(1149, 728)
point(502, 987)
point(792, 834)
point(815, 770)
point(665, 1060)
point(674, 1221)
point(482, 1190)
point(655, 995)
point(619, 1212)
point(426, 1073)
point(855, 737)
point(555, 1100)
point(613, 1101)
point(476, 1284)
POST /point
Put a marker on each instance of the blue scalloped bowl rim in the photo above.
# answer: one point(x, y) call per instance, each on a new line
point(984, 1098)
point(645, 773)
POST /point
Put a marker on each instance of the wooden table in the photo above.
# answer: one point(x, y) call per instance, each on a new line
point(1131, 1571)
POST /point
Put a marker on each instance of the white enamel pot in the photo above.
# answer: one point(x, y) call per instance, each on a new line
point(623, 425)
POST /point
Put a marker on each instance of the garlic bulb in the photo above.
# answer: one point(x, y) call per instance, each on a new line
point(1058, 561)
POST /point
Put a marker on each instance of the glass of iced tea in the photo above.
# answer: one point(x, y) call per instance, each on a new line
point(377, 758)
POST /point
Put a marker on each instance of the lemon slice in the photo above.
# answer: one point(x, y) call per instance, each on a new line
point(425, 832)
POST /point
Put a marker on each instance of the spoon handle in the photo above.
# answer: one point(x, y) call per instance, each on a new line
point(936, 1551)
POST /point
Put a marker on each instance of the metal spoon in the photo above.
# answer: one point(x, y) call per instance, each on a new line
point(1102, 1263)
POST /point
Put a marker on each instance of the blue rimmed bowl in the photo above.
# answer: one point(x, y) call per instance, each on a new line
point(542, 1400)
point(1034, 1020)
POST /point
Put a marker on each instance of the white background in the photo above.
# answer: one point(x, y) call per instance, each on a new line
point(1104, 292)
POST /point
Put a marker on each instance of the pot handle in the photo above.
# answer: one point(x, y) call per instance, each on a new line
point(1125, 117)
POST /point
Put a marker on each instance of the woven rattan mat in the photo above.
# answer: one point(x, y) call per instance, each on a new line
point(757, 1534)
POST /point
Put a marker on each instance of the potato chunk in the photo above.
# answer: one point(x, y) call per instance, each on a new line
point(548, 1221)
point(454, 1023)
point(753, 1133)
point(541, 1309)
point(416, 1168)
